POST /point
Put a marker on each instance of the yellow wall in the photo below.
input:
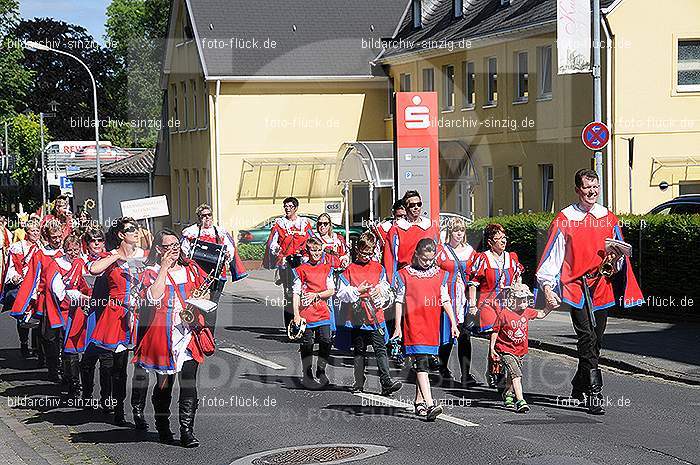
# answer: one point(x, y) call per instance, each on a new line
point(504, 138)
point(288, 121)
point(664, 123)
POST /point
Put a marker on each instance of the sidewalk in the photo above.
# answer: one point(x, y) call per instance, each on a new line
point(662, 349)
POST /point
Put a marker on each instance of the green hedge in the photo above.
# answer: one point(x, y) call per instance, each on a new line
point(251, 251)
point(665, 257)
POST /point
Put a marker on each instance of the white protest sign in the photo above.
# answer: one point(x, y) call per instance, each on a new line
point(150, 207)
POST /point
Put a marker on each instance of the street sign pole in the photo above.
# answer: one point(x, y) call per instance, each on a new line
point(597, 94)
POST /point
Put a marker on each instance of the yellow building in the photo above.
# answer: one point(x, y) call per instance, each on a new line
point(266, 93)
point(493, 65)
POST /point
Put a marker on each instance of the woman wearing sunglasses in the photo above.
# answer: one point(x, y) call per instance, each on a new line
point(167, 345)
point(335, 250)
point(114, 329)
point(405, 235)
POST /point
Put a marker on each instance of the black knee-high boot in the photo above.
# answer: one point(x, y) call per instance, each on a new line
point(139, 392)
point(188, 408)
point(71, 371)
point(162, 396)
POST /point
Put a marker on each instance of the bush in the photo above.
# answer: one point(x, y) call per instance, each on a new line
point(251, 251)
point(665, 254)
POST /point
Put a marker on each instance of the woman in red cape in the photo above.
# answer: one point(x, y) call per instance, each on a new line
point(114, 330)
point(167, 345)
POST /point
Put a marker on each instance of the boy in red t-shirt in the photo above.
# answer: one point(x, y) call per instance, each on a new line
point(509, 340)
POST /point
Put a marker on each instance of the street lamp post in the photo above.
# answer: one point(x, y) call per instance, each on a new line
point(33, 46)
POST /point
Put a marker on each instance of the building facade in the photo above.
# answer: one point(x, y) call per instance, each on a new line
point(261, 97)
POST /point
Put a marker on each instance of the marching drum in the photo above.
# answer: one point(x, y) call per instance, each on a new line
point(209, 256)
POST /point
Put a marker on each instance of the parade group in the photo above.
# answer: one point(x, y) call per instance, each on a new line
point(82, 296)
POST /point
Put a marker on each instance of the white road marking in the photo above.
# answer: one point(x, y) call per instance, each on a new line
point(253, 358)
point(376, 399)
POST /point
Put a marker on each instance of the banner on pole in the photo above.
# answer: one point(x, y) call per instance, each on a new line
point(574, 36)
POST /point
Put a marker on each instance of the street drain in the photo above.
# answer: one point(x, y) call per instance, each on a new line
point(327, 454)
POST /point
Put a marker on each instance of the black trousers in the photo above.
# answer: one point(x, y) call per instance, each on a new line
point(321, 335)
point(51, 341)
point(87, 372)
point(215, 295)
point(464, 353)
point(588, 343)
point(287, 278)
point(361, 339)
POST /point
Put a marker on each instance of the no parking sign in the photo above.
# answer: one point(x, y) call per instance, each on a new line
point(595, 135)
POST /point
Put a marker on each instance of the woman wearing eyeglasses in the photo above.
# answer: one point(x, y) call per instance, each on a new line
point(114, 329)
point(335, 249)
point(167, 345)
point(493, 270)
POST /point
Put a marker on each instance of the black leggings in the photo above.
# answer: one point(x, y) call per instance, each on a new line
point(187, 378)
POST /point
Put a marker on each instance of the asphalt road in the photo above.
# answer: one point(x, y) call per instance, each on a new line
point(250, 405)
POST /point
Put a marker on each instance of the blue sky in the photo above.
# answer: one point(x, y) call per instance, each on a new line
point(87, 13)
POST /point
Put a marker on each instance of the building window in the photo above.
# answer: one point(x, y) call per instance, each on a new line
point(176, 108)
point(489, 190)
point(689, 65)
point(491, 82)
point(188, 206)
point(185, 107)
point(544, 72)
point(458, 7)
point(468, 87)
point(516, 176)
point(521, 83)
point(207, 180)
point(547, 172)
point(448, 87)
point(417, 22)
point(205, 105)
point(404, 82)
point(198, 201)
point(195, 108)
point(428, 80)
point(178, 203)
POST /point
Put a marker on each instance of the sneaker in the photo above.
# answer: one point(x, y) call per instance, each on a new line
point(521, 406)
point(391, 388)
point(433, 412)
point(509, 400)
point(421, 408)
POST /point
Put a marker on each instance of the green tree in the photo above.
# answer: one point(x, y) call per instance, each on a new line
point(14, 77)
point(25, 144)
point(64, 80)
point(135, 31)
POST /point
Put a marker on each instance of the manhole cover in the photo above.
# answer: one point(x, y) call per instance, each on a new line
point(313, 454)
